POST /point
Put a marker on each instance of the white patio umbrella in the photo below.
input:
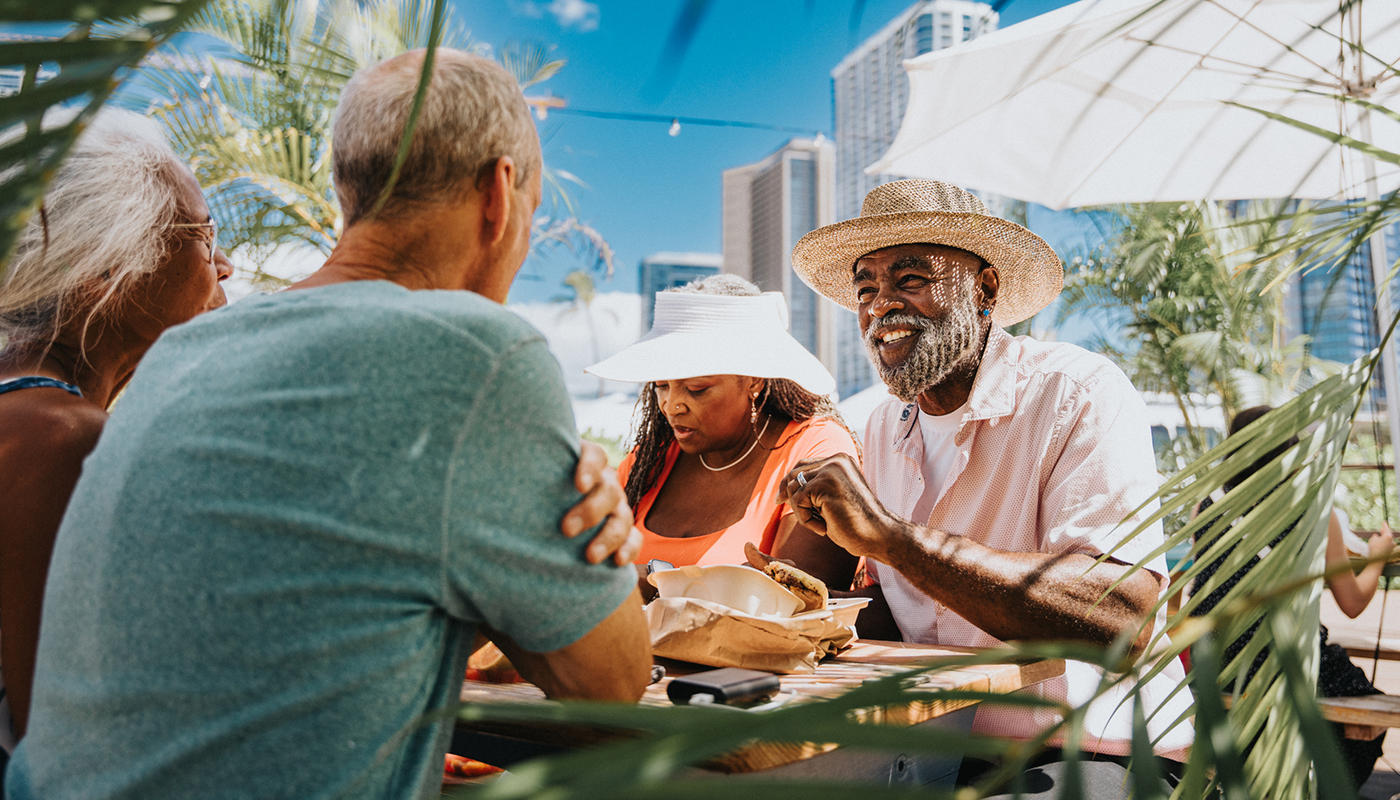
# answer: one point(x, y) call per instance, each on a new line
point(1109, 101)
point(1116, 101)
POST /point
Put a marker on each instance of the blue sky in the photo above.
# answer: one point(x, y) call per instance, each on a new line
point(767, 61)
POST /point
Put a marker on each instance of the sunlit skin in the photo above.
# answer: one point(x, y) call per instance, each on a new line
point(711, 418)
point(921, 280)
point(1353, 591)
point(1011, 595)
point(46, 433)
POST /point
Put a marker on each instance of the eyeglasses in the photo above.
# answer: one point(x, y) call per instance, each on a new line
point(211, 238)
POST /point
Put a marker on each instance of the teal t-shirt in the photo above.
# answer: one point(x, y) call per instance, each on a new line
point(277, 556)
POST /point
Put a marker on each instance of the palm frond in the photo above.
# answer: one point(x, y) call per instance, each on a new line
point(74, 73)
point(256, 124)
point(529, 62)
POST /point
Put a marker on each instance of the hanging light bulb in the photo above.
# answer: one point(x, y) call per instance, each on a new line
point(675, 127)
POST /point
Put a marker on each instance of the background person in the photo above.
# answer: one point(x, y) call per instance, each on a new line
point(124, 249)
point(1336, 675)
point(307, 505)
point(731, 402)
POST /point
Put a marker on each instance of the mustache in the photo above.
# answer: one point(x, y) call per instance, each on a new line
point(897, 320)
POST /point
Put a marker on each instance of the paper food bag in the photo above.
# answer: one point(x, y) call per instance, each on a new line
point(705, 632)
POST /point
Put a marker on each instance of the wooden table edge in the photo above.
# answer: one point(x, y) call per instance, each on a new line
point(769, 755)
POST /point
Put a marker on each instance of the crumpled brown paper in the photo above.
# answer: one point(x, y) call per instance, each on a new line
point(705, 632)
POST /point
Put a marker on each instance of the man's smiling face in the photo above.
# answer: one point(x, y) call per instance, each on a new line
point(919, 307)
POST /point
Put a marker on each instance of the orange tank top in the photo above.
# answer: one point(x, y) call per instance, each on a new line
point(817, 438)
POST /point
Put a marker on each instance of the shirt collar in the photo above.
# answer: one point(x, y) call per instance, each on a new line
point(993, 390)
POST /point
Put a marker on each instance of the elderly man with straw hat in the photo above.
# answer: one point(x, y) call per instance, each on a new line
point(997, 480)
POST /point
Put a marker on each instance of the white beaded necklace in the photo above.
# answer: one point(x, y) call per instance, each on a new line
point(740, 458)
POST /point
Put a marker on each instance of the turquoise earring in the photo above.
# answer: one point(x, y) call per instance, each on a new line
point(986, 312)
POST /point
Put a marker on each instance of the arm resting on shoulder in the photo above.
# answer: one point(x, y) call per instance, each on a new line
point(610, 662)
point(603, 501)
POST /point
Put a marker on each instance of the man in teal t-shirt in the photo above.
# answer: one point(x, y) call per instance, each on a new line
point(308, 504)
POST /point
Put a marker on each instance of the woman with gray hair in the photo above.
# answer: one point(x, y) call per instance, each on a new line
point(122, 248)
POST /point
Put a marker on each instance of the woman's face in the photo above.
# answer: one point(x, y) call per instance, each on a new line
point(188, 281)
point(711, 412)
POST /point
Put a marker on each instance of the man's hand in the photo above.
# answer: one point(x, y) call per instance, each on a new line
point(1011, 595)
point(603, 499)
point(833, 499)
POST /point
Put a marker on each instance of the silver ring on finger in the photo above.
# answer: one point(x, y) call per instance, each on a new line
point(801, 479)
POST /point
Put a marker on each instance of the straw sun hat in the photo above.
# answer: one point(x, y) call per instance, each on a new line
point(931, 212)
point(702, 334)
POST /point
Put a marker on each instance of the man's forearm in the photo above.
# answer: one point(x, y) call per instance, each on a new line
point(1023, 596)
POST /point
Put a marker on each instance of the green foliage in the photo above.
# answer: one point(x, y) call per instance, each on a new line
point(256, 126)
point(76, 73)
point(1271, 742)
point(1360, 490)
point(1197, 306)
point(615, 446)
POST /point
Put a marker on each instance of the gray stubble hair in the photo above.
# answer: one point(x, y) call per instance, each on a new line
point(943, 344)
point(473, 115)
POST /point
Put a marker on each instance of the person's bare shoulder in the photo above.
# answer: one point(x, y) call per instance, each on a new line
point(44, 433)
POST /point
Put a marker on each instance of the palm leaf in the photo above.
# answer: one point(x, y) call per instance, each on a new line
point(85, 68)
point(529, 63)
point(256, 124)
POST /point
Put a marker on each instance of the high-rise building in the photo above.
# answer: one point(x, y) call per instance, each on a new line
point(662, 271)
point(768, 206)
point(869, 89)
point(869, 92)
point(1336, 307)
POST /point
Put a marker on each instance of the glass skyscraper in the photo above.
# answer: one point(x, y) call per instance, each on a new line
point(768, 206)
point(1336, 307)
point(869, 92)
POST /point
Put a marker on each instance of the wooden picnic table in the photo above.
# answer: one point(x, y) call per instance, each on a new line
point(865, 660)
point(1358, 646)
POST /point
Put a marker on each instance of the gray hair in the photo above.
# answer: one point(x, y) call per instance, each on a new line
point(473, 114)
point(104, 224)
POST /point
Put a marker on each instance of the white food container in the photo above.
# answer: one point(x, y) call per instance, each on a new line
point(742, 588)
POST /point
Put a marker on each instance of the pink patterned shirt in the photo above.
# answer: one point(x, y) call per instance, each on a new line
point(1053, 452)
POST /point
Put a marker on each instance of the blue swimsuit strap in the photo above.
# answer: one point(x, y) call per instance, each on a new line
point(38, 382)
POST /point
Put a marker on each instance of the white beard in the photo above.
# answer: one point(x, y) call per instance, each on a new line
point(943, 344)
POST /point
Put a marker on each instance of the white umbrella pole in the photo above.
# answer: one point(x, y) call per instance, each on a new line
point(1380, 270)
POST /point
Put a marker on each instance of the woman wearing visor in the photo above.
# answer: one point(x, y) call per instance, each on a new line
point(731, 402)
